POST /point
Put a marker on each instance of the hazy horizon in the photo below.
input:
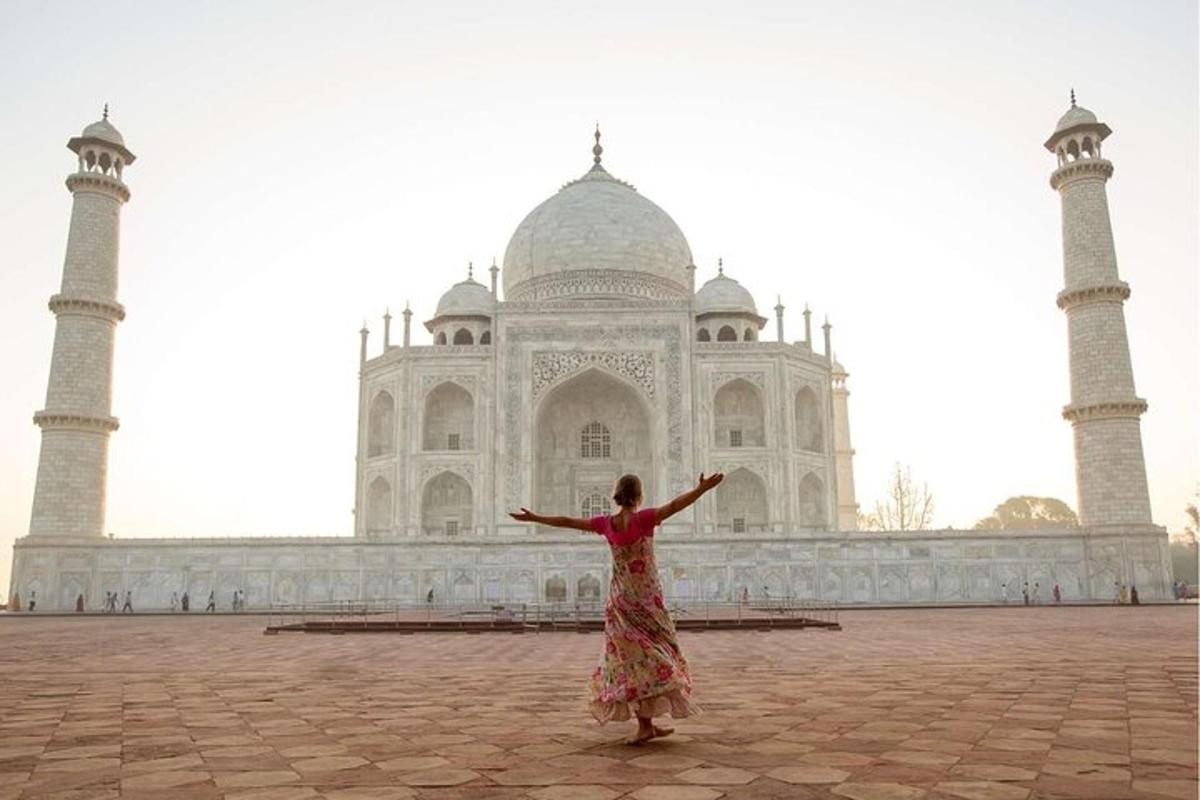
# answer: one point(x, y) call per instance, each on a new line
point(303, 166)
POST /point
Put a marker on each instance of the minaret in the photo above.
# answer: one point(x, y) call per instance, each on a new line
point(69, 496)
point(1105, 411)
point(843, 453)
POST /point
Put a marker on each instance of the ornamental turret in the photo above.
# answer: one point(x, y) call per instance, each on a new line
point(1105, 411)
point(70, 493)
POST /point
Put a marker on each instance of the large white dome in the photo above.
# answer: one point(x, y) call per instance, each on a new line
point(596, 237)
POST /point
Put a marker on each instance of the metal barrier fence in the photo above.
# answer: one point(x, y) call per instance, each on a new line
point(568, 615)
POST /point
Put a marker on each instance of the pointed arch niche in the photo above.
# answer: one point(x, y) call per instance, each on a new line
point(741, 503)
point(379, 506)
point(449, 419)
point(810, 433)
point(381, 425)
point(812, 503)
point(566, 472)
point(738, 418)
point(446, 505)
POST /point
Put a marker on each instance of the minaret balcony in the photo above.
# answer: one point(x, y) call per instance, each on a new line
point(1082, 168)
point(1114, 292)
point(98, 182)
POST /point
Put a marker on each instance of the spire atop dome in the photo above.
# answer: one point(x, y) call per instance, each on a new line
point(720, 266)
point(597, 150)
point(1072, 97)
point(470, 270)
point(105, 111)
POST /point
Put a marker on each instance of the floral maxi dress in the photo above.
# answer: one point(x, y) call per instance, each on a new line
point(643, 672)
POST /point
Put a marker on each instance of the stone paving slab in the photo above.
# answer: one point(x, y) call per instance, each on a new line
point(971, 704)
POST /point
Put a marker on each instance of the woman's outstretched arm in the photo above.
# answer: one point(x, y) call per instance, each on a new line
point(578, 523)
point(687, 498)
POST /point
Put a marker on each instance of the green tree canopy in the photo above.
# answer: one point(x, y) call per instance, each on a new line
point(1030, 512)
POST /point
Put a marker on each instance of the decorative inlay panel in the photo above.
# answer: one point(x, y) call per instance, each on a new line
point(551, 366)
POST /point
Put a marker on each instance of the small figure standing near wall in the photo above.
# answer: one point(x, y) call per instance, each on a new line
point(212, 603)
point(429, 598)
point(1004, 593)
point(1133, 596)
point(1117, 590)
point(643, 672)
point(15, 605)
point(745, 596)
point(79, 604)
point(1025, 592)
point(1057, 595)
point(174, 602)
point(185, 602)
point(1123, 597)
point(128, 607)
point(1037, 594)
point(32, 601)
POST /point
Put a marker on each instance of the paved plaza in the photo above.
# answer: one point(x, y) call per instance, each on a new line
point(981, 704)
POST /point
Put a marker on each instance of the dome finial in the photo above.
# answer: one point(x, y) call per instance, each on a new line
point(597, 149)
point(470, 270)
point(106, 111)
point(720, 266)
point(1072, 97)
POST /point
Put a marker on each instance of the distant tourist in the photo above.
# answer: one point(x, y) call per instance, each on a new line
point(429, 597)
point(1123, 595)
point(1117, 592)
point(1025, 592)
point(79, 604)
point(15, 603)
point(233, 606)
point(647, 674)
point(1133, 596)
point(32, 600)
point(767, 594)
point(174, 602)
point(1004, 593)
point(128, 607)
point(1057, 595)
point(745, 596)
point(212, 603)
point(185, 602)
point(1037, 594)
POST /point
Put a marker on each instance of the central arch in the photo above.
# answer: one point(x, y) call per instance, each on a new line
point(588, 431)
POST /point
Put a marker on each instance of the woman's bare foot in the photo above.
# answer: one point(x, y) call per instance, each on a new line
point(660, 732)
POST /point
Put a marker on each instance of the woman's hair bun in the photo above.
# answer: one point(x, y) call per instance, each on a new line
point(628, 491)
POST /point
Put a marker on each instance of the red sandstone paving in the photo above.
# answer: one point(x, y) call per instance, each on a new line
point(969, 704)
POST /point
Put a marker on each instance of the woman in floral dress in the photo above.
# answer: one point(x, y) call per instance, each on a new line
point(643, 673)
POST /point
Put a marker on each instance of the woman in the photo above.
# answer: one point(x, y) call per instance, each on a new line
point(644, 673)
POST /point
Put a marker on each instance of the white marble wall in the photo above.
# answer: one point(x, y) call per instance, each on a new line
point(512, 565)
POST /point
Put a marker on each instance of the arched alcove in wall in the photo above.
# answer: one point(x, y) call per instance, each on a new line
point(738, 418)
point(379, 506)
point(446, 505)
point(812, 503)
point(741, 501)
point(449, 421)
point(810, 433)
point(381, 424)
point(588, 431)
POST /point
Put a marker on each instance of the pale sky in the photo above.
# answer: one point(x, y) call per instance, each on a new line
point(302, 166)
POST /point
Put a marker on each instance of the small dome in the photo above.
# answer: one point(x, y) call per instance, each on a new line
point(1076, 115)
point(724, 295)
point(597, 223)
point(103, 130)
point(466, 299)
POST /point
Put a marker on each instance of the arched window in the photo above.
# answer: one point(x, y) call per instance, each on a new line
point(588, 588)
point(556, 590)
point(741, 502)
point(449, 419)
point(702, 335)
point(463, 336)
point(812, 502)
point(810, 433)
point(440, 338)
point(595, 441)
point(727, 334)
point(446, 505)
point(485, 337)
point(380, 425)
point(594, 506)
point(738, 418)
point(379, 506)
point(748, 336)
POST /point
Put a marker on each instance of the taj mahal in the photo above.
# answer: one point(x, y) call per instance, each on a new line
point(592, 350)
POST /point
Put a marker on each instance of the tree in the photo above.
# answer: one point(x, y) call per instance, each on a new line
point(1183, 546)
point(907, 507)
point(1027, 512)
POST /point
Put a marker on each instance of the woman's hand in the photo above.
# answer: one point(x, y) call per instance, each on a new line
point(524, 515)
point(710, 482)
